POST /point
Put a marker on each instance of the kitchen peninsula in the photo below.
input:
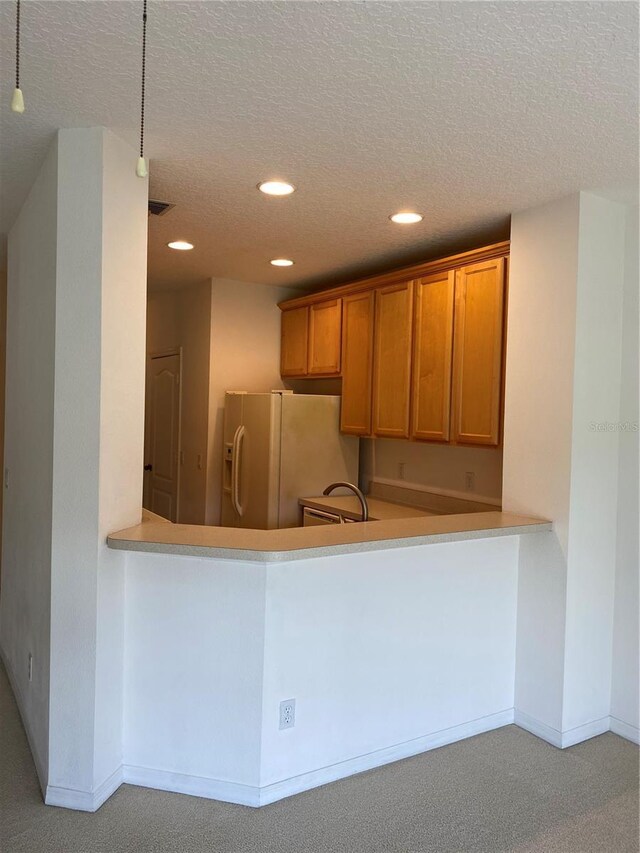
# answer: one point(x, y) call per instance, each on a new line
point(294, 543)
point(388, 638)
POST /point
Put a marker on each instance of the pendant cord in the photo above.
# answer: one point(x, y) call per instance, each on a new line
point(17, 44)
point(144, 64)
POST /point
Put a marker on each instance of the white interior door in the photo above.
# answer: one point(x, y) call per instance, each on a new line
point(163, 436)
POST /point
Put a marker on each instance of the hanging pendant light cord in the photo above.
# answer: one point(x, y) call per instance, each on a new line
point(144, 69)
point(17, 44)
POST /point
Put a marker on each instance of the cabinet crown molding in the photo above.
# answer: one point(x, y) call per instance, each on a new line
point(403, 274)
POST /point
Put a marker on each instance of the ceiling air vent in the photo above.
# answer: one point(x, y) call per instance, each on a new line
point(159, 208)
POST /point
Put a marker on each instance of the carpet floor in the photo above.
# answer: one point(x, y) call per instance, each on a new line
point(501, 791)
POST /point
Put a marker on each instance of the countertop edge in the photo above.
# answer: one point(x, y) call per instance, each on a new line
point(246, 555)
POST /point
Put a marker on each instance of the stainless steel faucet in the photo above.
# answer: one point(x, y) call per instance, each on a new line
point(356, 491)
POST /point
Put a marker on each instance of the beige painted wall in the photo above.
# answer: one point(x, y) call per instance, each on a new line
point(434, 467)
point(181, 319)
point(245, 356)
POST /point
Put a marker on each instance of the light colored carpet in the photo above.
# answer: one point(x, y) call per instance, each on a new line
point(501, 791)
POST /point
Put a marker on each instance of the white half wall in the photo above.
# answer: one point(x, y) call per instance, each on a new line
point(384, 649)
point(387, 654)
point(194, 646)
point(245, 356)
point(625, 711)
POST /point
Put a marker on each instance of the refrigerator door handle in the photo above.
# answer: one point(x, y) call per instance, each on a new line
point(238, 446)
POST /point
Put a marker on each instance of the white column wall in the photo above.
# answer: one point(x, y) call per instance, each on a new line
point(537, 447)
point(76, 456)
point(625, 713)
point(98, 449)
point(563, 375)
point(123, 321)
point(25, 603)
point(594, 463)
point(74, 442)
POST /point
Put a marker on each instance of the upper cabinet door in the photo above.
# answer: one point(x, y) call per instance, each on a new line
point(432, 355)
point(294, 342)
point(325, 327)
point(392, 360)
point(477, 359)
point(357, 363)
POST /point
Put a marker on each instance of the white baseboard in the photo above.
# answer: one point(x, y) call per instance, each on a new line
point(40, 766)
point(84, 801)
point(566, 738)
point(297, 784)
point(535, 727)
point(195, 786)
point(248, 795)
point(570, 737)
point(625, 730)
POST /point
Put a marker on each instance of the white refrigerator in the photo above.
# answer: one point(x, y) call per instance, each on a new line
point(279, 447)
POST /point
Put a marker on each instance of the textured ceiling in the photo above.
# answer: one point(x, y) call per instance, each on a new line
point(465, 111)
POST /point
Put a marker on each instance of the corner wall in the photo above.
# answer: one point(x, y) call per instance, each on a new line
point(625, 711)
point(563, 380)
point(75, 380)
point(25, 603)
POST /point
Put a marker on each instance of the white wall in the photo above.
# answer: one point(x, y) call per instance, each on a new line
point(124, 272)
point(440, 468)
point(75, 390)
point(245, 356)
point(382, 651)
point(181, 319)
point(25, 603)
point(594, 462)
point(193, 668)
point(563, 373)
point(626, 641)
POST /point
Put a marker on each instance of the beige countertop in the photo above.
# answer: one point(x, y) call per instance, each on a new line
point(301, 543)
point(349, 506)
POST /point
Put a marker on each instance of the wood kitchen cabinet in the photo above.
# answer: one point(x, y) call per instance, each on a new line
point(420, 349)
point(311, 339)
point(432, 356)
point(325, 338)
point(392, 360)
point(294, 341)
point(477, 352)
point(357, 362)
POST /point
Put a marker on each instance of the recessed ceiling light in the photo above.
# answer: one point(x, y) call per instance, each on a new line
point(181, 245)
point(276, 187)
point(406, 218)
point(281, 262)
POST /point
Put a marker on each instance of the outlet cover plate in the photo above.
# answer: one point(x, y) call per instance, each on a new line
point(287, 714)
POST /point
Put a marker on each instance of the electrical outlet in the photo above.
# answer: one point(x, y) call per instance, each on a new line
point(401, 470)
point(30, 667)
point(288, 714)
point(470, 481)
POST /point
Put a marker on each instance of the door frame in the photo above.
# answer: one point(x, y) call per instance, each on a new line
point(147, 421)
